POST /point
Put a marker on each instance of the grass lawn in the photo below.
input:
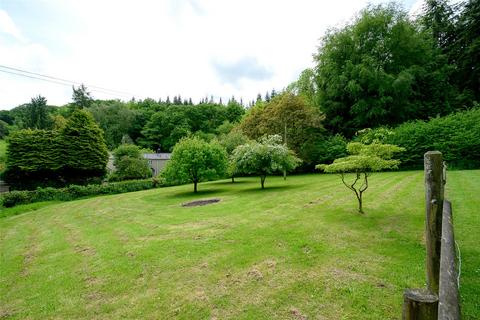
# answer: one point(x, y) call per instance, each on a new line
point(296, 250)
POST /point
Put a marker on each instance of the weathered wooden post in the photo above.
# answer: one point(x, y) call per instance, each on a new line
point(449, 298)
point(434, 193)
point(419, 304)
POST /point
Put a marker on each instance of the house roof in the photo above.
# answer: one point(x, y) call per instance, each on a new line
point(157, 156)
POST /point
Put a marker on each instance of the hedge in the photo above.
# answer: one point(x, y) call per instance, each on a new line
point(75, 154)
point(73, 192)
point(457, 136)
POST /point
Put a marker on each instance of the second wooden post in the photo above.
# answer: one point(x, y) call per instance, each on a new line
point(434, 194)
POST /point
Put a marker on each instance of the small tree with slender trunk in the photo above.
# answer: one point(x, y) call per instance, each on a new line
point(268, 156)
point(230, 141)
point(362, 162)
point(195, 160)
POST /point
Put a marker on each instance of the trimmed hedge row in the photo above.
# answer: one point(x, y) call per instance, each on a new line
point(457, 136)
point(73, 192)
point(75, 154)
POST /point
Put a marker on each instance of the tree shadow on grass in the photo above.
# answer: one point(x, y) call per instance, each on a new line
point(232, 183)
point(270, 189)
point(188, 195)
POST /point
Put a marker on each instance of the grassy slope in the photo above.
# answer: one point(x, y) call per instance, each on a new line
point(297, 248)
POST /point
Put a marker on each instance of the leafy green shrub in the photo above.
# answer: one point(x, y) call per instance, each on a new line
point(330, 148)
point(73, 192)
point(13, 198)
point(3, 129)
point(457, 136)
point(126, 150)
point(129, 164)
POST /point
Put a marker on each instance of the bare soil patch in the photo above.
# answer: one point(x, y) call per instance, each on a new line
point(200, 202)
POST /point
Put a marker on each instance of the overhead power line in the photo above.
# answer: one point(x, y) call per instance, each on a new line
point(60, 81)
point(32, 77)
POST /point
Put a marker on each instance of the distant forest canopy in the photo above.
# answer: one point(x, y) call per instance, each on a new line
point(381, 69)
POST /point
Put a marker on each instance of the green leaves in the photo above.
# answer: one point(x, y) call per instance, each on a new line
point(456, 136)
point(115, 119)
point(36, 114)
point(129, 164)
point(293, 118)
point(365, 158)
point(265, 157)
point(83, 145)
point(75, 153)
point(33, 150)
point(380, 69)
point(171, 123)
point(194, 160)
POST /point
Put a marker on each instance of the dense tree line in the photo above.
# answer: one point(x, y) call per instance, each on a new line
point(385, 68)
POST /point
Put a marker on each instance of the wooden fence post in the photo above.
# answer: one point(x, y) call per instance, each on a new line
point(449, 298)
point(419, 304)
point(434, 194)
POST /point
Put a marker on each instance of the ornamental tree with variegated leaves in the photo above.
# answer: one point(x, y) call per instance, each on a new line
point(267, 156)
point(364, 159)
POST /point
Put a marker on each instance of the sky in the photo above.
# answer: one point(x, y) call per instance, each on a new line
point(192, 48)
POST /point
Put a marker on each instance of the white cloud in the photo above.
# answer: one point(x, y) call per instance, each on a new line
point(7, 26)
point(416, 8)
point(159, 48)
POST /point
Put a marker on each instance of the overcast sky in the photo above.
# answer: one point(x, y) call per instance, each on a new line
point(157, 48)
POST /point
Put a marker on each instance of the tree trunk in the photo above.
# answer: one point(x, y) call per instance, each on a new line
point(262, 180)
point(233, 179)
point(195, 186)
point(360, 203)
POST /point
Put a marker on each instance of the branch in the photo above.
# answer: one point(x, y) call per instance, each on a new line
point(365, 184)
point(193, 175)
point(352, 187)
point(343, 180)
point(355, 182)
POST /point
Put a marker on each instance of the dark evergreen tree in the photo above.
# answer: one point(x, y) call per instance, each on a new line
point(438, 17)
point(84, 151)
point(467, 51)
point(33, 159)
point(81, 97)
point(36, 114)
